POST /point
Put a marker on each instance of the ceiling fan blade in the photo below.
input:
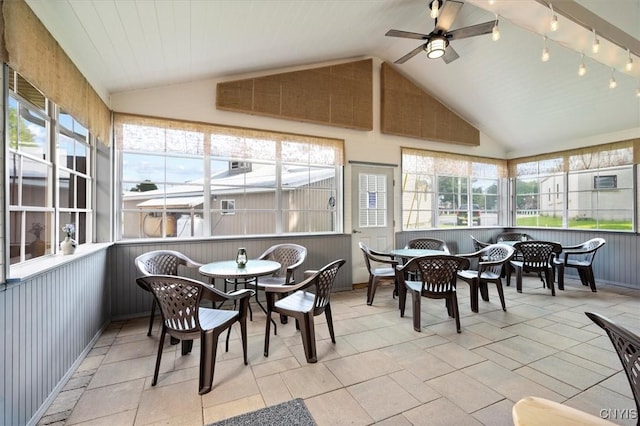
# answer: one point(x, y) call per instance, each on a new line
point(450, 55)
point(406, 34)
point(447, 15)
point(472, 31)
point(410, 55)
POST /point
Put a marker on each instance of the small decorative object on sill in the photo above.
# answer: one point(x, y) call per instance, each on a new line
point(241, 258)
point(68, 245)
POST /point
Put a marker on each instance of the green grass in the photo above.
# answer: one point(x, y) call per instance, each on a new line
point(585, 223)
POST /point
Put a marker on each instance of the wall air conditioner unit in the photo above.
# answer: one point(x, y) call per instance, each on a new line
point(227, 207)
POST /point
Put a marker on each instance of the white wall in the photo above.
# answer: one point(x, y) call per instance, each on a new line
point(196, 100)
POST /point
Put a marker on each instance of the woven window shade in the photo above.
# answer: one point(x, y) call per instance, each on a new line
point(27, 46)
point(455, 164)
point(599, 156)
point(233, 142)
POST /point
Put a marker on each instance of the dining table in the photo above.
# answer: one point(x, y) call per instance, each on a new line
point(228, 270)
point(408, 253)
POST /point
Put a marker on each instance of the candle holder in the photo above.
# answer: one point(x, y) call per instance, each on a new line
point(241, 257)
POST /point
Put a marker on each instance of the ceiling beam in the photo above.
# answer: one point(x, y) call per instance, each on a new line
point(589, 20)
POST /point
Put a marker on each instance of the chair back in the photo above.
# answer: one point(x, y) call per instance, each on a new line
point(477, 244)
point(437, 273)
point(590, 247)
point(627, 345)
point(367, 255)
point(513, 236)
point(428, 244)
point(494, 256)
point(161, 262)
point(537, 255)
point(178, 298)
point(290, 256)
point(323, 280)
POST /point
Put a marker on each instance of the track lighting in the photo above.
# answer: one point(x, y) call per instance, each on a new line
point(582, 69)
point(612, 81)
point(629, 65)
point(495, 32)
point(545, 52)
point(554, 19)
point(435, 9)
point(595, 47)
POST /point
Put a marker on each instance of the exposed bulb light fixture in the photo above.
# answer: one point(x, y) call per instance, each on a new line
point(435, 9)
point(545, 52)
point(435, 47)
point(612, 81)
point(629, 65)
point(595, 47)
point(495, 32)
point(638, 92)
point(491, 2)
point(554, 19)
point(582, 69)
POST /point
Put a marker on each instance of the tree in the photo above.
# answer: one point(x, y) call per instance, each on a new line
point(144, 186)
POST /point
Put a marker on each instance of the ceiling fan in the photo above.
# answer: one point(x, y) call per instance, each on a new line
point(437, 46)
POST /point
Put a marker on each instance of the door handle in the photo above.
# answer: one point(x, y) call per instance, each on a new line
point(355, 231)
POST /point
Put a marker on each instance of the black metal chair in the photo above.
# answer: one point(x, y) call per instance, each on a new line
point(580, 257)
point(376, 265)
point(627, 345)
point(303, 305)
point(183, 318)
point(437, 281)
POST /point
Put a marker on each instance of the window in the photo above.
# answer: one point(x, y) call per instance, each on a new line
point(447, 190)
point(373, 200)
point(534, 180)
point(227, 181)
point(49, 173)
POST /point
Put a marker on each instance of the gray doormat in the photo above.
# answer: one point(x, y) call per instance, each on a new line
point(292, 412)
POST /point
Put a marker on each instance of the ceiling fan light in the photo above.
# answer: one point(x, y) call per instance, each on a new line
point(435, 47)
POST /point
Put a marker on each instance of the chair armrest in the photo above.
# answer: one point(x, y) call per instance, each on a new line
point(241, 294)
point(193, 264)
point(212, 293)
point(308, 281)
point(392, 261)
point(471, 255)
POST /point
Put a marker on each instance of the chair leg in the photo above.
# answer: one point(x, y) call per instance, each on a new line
point(187, 345)
point(153, 314)
point(415, 297)
point(501, 294)
point(402, 299)
point(454, 307)
point(327, 314)
point(583, 277)
point(370, 290)
point(592, 280)
point(484, 290)
point(507, 268)
point(267, 333)
point(159, 357)
point(308, 337)
point(473, 289)
point(243, 336)
point(208, 349)
point(518, 279)
point(550, 282)
point(560, 277)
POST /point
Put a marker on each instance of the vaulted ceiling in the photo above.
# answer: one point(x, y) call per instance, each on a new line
point(501, 87)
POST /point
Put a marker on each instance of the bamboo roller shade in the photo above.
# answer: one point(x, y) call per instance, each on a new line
point(407, 110)
point(339, 95)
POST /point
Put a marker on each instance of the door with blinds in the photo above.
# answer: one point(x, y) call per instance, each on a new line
point(371, 213)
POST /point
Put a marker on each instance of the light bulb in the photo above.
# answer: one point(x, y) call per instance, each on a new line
point(629, 65)
point(495, 32)
point(435, 9)
point(491, 2)
point(554, 19)
point(638, 92)
point(596, 43)
point(582, 69)
point(545, 55)
point(612, 81)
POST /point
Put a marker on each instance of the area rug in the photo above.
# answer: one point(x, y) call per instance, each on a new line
point(292, 412)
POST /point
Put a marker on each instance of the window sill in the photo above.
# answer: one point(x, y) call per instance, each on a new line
point(32, 268)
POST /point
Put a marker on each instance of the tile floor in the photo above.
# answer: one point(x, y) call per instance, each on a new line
point(379, 371)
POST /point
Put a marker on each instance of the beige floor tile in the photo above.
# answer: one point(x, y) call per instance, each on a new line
point(273, 389)
point(421, 363)
point(367, 340)
point(416, 387)
point(498, 414)
point(618, 383)
point(499, 359)
point(455, 355)
point(507, 383)
point(125, 418)
point(398, 420)
point(574, 333)
point(337, 408)
point(122, 371)
point(440, 412)
point(310, 380)
point(589, 365)
point(229, 409)
point(138, 349)
point(160, 403)
point(466, 392)
point(567, 372)
point(232, 380)
point(276, 366)
point(542, 336)
point(606, 357)
point(358, 368)
point(107, 400)
point(382, 397)
point(548, 382)
point(616, 407)
point(521, 349)
point(489, 331)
